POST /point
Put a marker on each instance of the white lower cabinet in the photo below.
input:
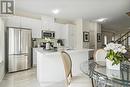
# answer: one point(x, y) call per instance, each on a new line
point(35, 56)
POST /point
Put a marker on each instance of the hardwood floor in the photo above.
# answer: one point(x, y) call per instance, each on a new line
point(28, 79)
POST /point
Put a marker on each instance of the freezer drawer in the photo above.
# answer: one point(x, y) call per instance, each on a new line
point(18, 62)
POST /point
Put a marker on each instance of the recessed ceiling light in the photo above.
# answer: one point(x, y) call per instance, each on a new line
point(101, 19)
point(55, 11)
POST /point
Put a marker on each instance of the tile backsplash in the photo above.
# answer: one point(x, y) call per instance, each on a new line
point(36, 42)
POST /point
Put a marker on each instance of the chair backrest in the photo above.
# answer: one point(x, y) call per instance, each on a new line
point(100, 55)
point(67, 63)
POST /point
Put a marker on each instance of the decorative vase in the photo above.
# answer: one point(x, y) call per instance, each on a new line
point(110, 66)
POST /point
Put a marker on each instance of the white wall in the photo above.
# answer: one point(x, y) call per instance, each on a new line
point(79, 33)
point(2, 50)
point(93, 28)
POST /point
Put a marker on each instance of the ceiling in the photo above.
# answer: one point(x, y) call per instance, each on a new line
point(114, 10)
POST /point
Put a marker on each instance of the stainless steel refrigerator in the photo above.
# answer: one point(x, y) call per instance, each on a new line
point(19, 49)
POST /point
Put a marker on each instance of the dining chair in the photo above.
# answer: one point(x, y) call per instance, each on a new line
point(99, 55)
point(101, 80)
point(91, 71)
point(98, 79)
point(70, 80)
point(125, 81)
point(67, 66)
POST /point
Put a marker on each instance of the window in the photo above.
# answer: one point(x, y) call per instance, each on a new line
point(105, 39)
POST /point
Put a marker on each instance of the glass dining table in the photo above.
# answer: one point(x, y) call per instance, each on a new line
point(104, 77)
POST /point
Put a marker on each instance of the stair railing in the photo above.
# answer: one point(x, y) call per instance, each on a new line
point(123, 38)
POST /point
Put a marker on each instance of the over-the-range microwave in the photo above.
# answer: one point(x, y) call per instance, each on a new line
point(48, 34)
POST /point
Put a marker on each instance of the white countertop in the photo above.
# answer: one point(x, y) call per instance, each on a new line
point(46, 52)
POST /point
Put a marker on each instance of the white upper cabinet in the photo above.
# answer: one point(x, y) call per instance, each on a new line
point(33, 24)
point(13, 21)
point(36, 28)
point(47, 23)
point(71, 36)
point(60, 31)
point(24, 22)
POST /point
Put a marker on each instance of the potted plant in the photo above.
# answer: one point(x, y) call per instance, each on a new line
point(115, 55)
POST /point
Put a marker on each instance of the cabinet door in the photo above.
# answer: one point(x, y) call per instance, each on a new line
point(47, 23)
point(25, 22)
point(13, 21)
point(57, 30)
point(33, 24)
point(36, 28)
point(60, 30)
point(72, 36)
point(63, 32)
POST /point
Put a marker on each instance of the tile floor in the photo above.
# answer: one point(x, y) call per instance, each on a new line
point(28, 79)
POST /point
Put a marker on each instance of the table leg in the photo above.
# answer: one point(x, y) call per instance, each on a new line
point(92, 82)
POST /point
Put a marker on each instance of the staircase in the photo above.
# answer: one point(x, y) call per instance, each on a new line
point(124, 40)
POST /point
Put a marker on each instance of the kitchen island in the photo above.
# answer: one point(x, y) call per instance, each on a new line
point(50, 67)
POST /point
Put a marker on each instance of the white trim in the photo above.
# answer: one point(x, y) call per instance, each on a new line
point(1, 77)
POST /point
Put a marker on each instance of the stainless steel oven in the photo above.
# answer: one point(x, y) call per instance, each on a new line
point(48, 34)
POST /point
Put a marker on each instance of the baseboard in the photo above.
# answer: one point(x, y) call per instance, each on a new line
point(2, 78)
point(2, 72)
